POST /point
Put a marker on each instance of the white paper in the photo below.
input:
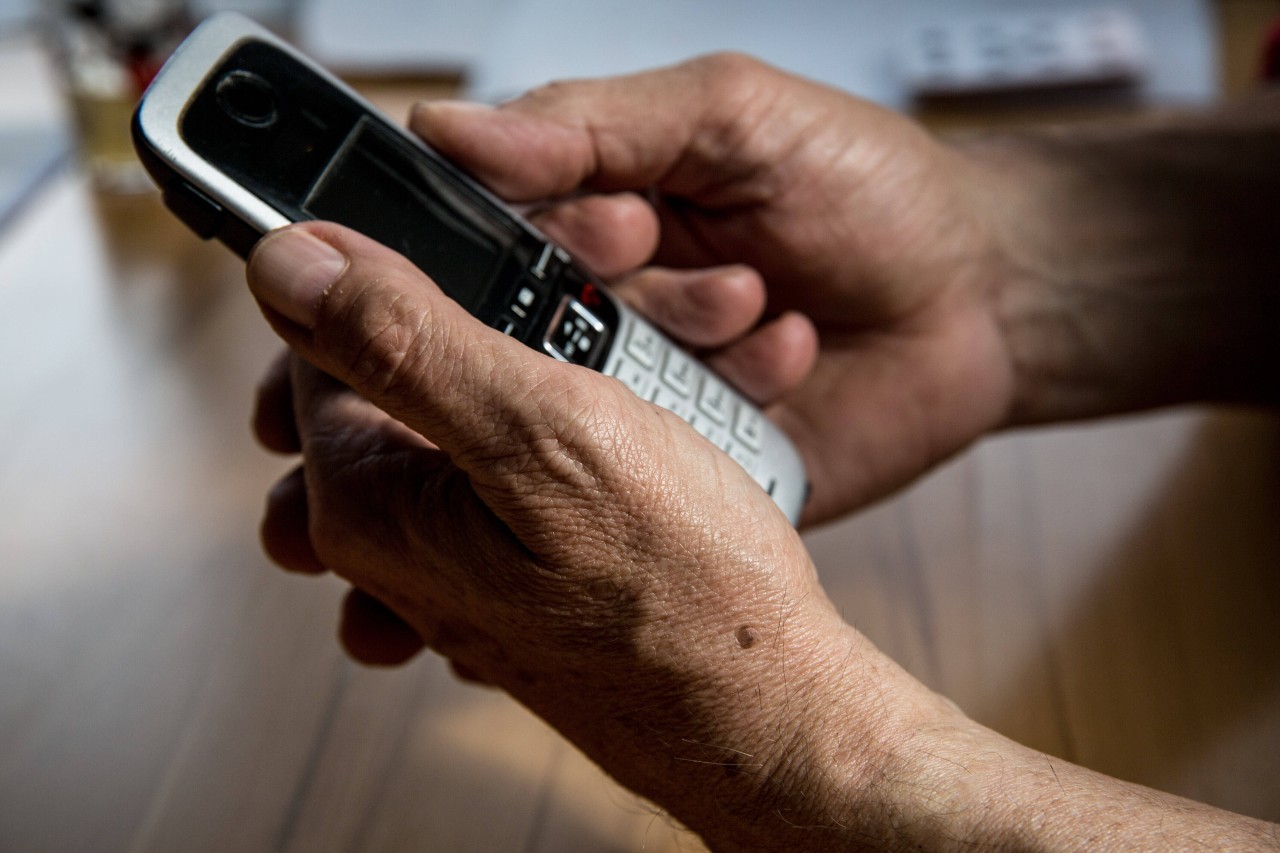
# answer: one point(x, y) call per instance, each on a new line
point(399, 35)
point(848, 44)
point(506, 46)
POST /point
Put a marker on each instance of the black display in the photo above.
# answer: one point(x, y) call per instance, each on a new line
point(374, 186)
point(278, 129)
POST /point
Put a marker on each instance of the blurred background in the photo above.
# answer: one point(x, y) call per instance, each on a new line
point(1104, 592)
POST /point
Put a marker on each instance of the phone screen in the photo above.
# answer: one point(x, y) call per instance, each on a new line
point(377, 186)
point(275, 127)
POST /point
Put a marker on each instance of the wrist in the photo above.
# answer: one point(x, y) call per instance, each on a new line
point(1134, 264)
point(784, 736)
point(871, 759)
point(817, 747)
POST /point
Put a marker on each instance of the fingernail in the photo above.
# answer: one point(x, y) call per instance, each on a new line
point(291, 270)
point(425, 113)
point(457, 107)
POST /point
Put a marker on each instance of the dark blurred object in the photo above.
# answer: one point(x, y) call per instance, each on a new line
point(108, 51)
point(1271, 54)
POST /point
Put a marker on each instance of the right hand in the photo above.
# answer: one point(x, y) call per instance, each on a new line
point(853, 215)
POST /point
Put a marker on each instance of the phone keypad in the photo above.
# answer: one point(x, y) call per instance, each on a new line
point(662, 396)
point(655, 369)
point(640, 380)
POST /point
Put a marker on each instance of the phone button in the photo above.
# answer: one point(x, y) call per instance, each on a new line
point(540, 269)
point(748, 427)
point(644, 344)
point(524, 303)
point(715, 400)
point(575, 334)
point(678, 373)
point(677, 405)
point(744, 458)
point(200, 213)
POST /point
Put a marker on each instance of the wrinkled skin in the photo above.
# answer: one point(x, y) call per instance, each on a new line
point(553, 535)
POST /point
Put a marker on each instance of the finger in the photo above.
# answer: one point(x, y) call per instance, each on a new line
point(313, 390)
point(273, 421)
point(703, 309)
point(375, 487)
point(771, 361)
point(611, 234)
point(465, 673)
point(373, 634)
point(389, 513)
point(365, 315)
point(285, 529)
point(611, 134)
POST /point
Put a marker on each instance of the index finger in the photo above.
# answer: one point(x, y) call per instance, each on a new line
point(681, 128)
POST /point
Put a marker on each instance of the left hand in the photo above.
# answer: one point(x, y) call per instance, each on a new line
point(716, 310)
point(553, 534)
point(556, 536)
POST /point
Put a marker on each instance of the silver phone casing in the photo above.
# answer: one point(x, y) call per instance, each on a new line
point(775, 465)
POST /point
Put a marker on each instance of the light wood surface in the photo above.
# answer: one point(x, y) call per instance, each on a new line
point(1104, 592)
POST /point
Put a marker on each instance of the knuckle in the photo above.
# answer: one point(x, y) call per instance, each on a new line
point(742, 101)
point(554, 91)
point(387, 350)
point(361, 498)
point(562, 439)
point(582, 449)
point(731, 79)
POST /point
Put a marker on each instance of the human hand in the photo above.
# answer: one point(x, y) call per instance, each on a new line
point(853, 216)
point(556, 536)
point(591, 554)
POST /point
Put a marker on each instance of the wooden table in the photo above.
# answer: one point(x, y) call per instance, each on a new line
point(1104, 592)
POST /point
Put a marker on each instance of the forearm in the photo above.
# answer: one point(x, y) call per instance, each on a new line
point(980, 790)
point(897, 768)
point(830, 746)
point(1140, 263)
point(777, 738)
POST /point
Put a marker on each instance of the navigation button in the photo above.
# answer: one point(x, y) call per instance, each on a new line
point(575, 334)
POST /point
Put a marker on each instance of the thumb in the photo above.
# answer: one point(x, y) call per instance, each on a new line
point(368, 317)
